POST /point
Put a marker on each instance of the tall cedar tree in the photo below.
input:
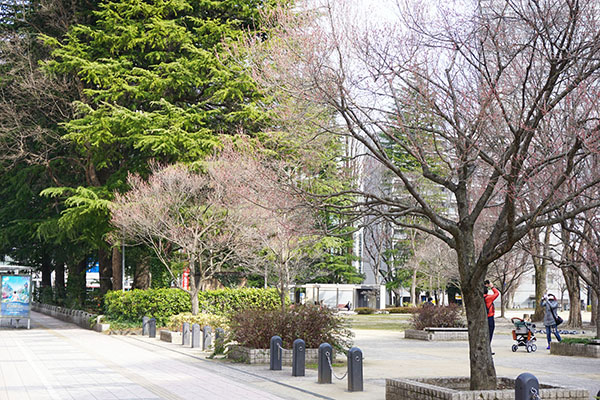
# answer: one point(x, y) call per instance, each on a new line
point(154, 83)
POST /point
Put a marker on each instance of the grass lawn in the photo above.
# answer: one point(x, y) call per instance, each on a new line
point(393, 322)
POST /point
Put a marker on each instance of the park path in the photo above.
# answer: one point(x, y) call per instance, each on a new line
point(56, 360)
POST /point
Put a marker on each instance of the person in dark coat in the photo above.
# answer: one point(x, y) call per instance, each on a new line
point(550, 313)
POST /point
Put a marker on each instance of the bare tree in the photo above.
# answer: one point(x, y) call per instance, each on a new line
point(279, 228)
point(506, 273)
point(438, 265)
point(181, 215)
point(490, 104)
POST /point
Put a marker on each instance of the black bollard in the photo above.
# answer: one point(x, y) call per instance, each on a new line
point(152, 327)
point(195, 335)
point(355, 370)
point(276, 353)
point(185, 334)
point(207, 338)
point(525, 386)
point(298, 357)
point(145, 325)
point(325, 354)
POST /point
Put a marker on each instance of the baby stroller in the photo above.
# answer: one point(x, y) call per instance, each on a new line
point(524, 335)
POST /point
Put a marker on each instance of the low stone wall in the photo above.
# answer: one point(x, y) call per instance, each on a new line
point(171, 336)
point(575, 349)
point(263, 356)
point(436, 335)
point(452, 388)
point(78, 317)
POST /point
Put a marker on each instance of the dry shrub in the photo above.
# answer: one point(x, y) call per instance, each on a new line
point(315, 325)
point(437, 317)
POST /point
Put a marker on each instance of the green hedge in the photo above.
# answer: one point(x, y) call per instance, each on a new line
point(227, 301)
point(133, 305)
point(364, 310)
point(163, 303)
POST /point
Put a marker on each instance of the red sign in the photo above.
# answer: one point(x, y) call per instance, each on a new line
point(185, 280)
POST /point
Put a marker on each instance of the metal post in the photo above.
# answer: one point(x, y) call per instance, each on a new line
point(325, 355)
point(276, 350)
point(355, 370)
point(145, 325)
point(195, 335)
point(185, 334)
point(152, 327)
point(298, 358)
point(207, 339)
point(526, 387)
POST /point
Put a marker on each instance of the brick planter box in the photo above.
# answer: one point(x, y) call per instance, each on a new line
point(575, 349)
point(263, 356)
point(437, 334)
point(452, 388)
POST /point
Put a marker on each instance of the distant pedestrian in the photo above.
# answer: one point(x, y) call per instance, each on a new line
point(550, 317)
point(489, 305)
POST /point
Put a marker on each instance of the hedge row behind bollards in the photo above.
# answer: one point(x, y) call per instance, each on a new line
point(355, 370)
point(298, 357)
point(526, 387)
point(152, 327)
point(324, 369)
point(275, 353)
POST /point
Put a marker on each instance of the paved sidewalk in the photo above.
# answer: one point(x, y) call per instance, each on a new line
point(56, 360)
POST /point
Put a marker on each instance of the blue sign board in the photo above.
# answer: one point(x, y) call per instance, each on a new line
point(16, 296)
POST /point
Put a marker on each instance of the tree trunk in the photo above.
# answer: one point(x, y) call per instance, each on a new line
point(483, 372)
point(540, 264)
point(117, 270)
point(503, 301)
point(105, 264)
point(59, 282)
point(574, 289)
point(413, 288)
point(596, 311)
point(46, 272)
point(194, 301)
point(141, 277)
point(76, 284)
point(594, 303)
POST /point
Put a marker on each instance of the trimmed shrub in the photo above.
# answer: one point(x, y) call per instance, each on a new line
point(158, 303)
point(229, 301)
point(364, 310)
point(402, 310)
point(162, 304)
point(315, 325)
point(202, 319)
point(437, 317)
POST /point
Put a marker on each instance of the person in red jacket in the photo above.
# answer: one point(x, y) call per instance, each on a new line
point(489, 305)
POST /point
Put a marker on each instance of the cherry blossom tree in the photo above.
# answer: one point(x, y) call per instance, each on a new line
point(182, 216)
point(492, 102)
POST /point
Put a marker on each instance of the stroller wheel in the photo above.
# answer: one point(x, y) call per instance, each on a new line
point(529, 349)
point(514, 347)
point(533, 347)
